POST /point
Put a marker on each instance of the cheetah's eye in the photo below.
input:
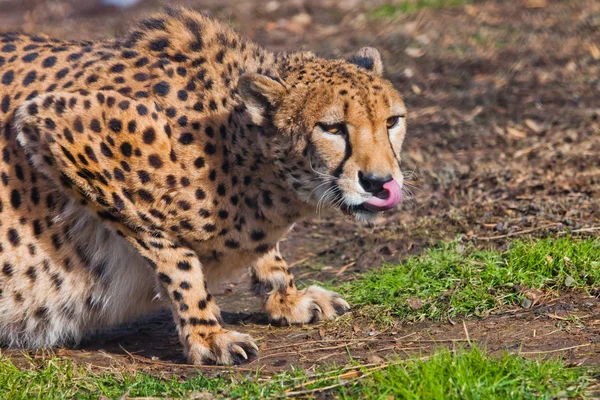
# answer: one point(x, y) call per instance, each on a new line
point(392, 122)
point(333, 129)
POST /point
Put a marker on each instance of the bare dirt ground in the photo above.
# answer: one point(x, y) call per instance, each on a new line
point(504, 140)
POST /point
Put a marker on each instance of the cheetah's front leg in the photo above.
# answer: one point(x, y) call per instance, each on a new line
point(284, 303)
point(196, 315)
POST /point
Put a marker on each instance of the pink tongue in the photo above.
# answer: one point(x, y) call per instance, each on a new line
point(394, 192)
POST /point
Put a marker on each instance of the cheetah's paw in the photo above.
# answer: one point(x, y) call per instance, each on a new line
point(224, 348)
point(305, 306)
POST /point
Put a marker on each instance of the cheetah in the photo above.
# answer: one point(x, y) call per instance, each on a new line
point(137, 171)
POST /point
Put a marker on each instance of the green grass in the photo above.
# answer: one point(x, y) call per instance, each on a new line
point(448, 280)
point(453, 280)
point(474, 375)
point(465, 374)
point(411, 6)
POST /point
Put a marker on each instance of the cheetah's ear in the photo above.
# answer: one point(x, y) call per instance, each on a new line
point(260, 94)
point(369, 59)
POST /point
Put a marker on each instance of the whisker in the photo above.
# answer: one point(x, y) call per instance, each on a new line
point(410, 186)
point(408, 195)
point(410, 174)
point(323, 196)
point(339, 202)
point(330, 196)
point(322, 184)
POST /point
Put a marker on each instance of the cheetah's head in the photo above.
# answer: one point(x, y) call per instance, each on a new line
point(336, 127)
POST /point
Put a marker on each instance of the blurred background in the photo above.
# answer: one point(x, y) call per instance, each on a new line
point(503, 99)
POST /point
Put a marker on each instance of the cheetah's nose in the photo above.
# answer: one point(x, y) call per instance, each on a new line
point(387, 198)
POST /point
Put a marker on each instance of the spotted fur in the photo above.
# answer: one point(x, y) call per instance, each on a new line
point(137, 171)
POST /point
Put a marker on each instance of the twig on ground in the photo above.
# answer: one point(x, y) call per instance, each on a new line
point(555, 350)
point(466, 332)
point(560, 233)
point(394, 347)
point(298, 262)
point(582, 230)
point(344, 268)
point(517, 233)
point(551, 333)
point(554, 316)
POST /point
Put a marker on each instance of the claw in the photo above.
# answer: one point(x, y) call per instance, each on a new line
point(239, 350)
point(341, 306)
point(344, 303)
point(254, 346)
point(316, 311)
